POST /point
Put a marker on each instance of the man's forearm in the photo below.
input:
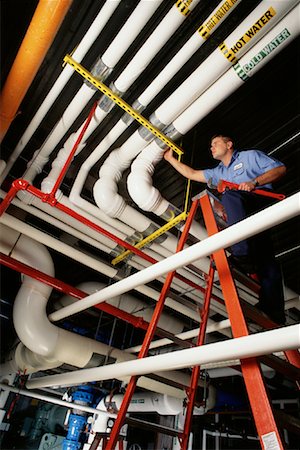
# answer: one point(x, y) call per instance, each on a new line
point(271, 175)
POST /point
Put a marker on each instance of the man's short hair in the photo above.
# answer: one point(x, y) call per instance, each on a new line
point(223, 136)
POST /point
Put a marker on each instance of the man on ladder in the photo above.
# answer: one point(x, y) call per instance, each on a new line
point(250, 171)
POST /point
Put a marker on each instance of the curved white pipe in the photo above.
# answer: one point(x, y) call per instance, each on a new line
point(88, 261)
point(211, 24)
point(271, 216)
point(139, 181)
point(267, 342)
point(83, 47)
point(44, 343)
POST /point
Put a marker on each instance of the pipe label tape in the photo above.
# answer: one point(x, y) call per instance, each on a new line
point(183, 6)
point(220, 14)
point(230, 54)
point(243, 71)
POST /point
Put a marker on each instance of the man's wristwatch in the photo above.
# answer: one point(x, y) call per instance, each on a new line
point(255, 182)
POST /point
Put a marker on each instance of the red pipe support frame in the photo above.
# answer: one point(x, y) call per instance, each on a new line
point(22, 184)
point(72, 153)
point(65, 288)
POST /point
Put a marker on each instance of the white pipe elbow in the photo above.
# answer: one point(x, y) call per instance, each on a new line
point(139, 182)
point(107, 198)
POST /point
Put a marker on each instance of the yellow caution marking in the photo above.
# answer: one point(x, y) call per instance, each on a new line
point(125, 106)
point(230, 53)
point(183, 6)
point(213, 20)
point(181, 217)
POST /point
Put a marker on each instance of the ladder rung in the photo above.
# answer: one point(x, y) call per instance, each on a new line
point(173, 338)
point(138, 423)
point(282, 366)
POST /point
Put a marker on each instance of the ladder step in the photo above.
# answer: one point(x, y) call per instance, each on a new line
point(280, 365)
point(138, 423)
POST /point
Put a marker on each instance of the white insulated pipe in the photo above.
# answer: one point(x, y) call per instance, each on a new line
point(88, 261)
point(267, 342)
point(268, 47)
point(264, 17)
point(49, 399)
point(125, 37)
point(271, 216)
point(195, 42)
point(80, 51)
point(162, 33)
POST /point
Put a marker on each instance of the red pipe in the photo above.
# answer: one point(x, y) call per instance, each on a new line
point(70, 157)
point(21, 184)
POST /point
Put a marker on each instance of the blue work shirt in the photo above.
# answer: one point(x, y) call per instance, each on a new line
point(244, 166)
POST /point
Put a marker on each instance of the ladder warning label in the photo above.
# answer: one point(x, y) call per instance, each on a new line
point(270, 441)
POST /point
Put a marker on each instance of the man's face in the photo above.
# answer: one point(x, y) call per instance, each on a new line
point(220, 148)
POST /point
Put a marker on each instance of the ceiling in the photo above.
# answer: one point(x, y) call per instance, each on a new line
point(263, 113)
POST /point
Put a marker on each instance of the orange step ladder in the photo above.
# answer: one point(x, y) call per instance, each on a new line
point(258, 397)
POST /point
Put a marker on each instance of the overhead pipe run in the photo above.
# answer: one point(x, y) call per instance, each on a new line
point(195, 42)
point(139, 17)
point(41, 32)
point(80, 51)
point(250, 346)
point(216, 64)
point(44, 345)
point(146, 196)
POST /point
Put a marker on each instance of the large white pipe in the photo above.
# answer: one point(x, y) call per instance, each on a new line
point(80, 51)
point(267, 342)
point(125, 37)
point(195, 42)
point(44, 345)
point(88, 261)
point(264, 17)
point(275, 41)
point(260, 221)
point(147, 197)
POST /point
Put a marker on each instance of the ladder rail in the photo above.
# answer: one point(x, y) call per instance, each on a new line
point(260, 405)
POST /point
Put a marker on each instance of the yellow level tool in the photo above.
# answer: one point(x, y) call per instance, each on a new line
point(151, 237)
point(115, 98)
